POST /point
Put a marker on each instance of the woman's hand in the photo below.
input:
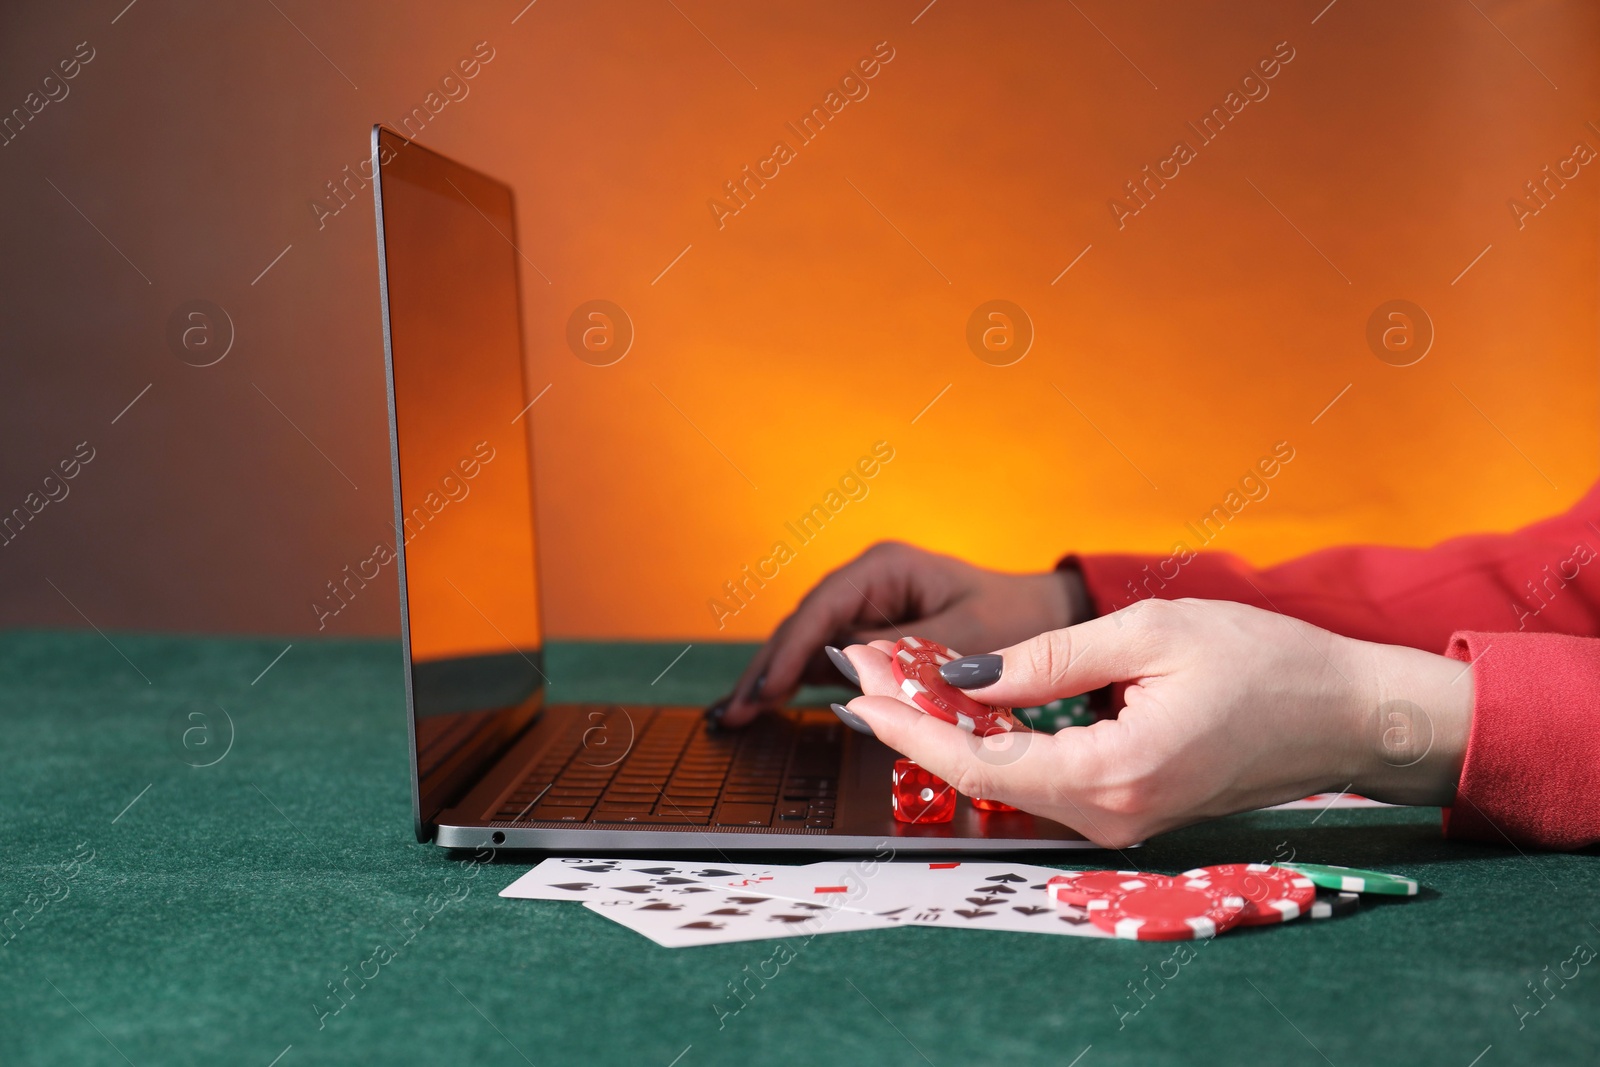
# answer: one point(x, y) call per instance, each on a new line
point(892, 586)
point(1227, 708)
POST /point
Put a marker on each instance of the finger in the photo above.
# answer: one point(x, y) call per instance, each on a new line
point(775, 672)
point(872, 667)
point(1113, 648)
point(1016, 768)
point(1019, 768)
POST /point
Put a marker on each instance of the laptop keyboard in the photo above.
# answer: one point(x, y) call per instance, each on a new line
point(781, 770)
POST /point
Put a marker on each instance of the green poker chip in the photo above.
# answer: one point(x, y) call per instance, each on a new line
point(1355, 880)
point(1057, 715)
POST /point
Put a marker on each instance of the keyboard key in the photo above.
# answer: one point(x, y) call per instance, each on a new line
point(743, 815)
point(559, 813)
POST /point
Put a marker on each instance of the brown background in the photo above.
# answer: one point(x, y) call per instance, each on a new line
point(825, 316)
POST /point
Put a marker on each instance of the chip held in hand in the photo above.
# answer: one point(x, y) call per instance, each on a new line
point(916, 664)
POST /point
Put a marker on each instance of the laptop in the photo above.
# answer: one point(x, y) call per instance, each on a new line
point(493, 763)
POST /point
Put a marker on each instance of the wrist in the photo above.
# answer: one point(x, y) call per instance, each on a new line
point(1412, 721)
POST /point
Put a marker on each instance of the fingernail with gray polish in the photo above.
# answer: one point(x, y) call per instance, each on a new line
point(852, 720)
point(846, 668)
point(757, 686)
point(973, 672)
point(716, 711)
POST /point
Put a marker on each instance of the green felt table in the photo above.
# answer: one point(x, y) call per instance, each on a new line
point(184, 914)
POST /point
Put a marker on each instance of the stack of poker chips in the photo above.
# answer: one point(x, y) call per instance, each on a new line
point(915, 665)
point(1208, 901)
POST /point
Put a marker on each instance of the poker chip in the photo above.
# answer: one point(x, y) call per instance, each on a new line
point(1156, 908)
point(916, 664)
point(1355, 880)
point(1057, 714)
point(1080, 887)
point(1271, 894)
point(1334, 905)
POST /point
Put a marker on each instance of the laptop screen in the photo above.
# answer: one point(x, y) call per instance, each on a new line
point(460, 419)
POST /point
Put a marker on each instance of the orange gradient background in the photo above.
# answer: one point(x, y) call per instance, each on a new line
point(1192, 340)
point(828, 313)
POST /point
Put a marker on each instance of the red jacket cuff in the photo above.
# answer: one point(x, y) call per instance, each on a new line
point(1532, 770)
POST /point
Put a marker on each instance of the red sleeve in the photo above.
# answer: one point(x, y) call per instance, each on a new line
point(1532, 771)
point(1542, 578)
point(1504, 602)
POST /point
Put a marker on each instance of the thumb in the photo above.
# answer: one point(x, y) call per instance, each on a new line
point(1112, 648)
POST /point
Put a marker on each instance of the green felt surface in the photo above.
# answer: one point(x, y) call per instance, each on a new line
point(218, 906)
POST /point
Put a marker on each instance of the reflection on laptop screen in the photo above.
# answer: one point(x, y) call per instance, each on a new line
point(465, 501)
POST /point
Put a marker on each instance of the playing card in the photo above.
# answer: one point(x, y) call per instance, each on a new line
point(574, 878)
point(975, 896)
point(1324, 801)
point(730, 915)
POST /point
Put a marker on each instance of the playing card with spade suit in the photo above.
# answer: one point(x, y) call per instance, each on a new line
point(576, 878)
point(970, 896)
point(731, 915)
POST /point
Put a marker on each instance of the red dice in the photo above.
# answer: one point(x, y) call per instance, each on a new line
point(990, 805)
point(919, 797)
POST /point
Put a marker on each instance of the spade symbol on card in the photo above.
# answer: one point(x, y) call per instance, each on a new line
point(790, 918)
point(702, 925)
point(636, 889)
point(712, 872)
point(661, 905)
point(995, 889)
point(1005, 878)
point(600, 867)
point(967, 913)
point(674, 881)
point(748, 900)
point(986, 902)
point(729, 911)
point(1076, 918)
point(656, 870)
point(575, 887)
point(1032, 911)
point(693, 889)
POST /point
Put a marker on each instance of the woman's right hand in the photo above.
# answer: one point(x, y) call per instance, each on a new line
point(892, 589)
point(1227, 708)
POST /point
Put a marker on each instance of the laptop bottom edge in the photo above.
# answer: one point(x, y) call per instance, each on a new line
point(596, 838)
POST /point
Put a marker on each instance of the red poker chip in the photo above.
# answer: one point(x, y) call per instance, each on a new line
point(1166, 909)
point(916, 664)
point(1080, 887)
point(1271, 894)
